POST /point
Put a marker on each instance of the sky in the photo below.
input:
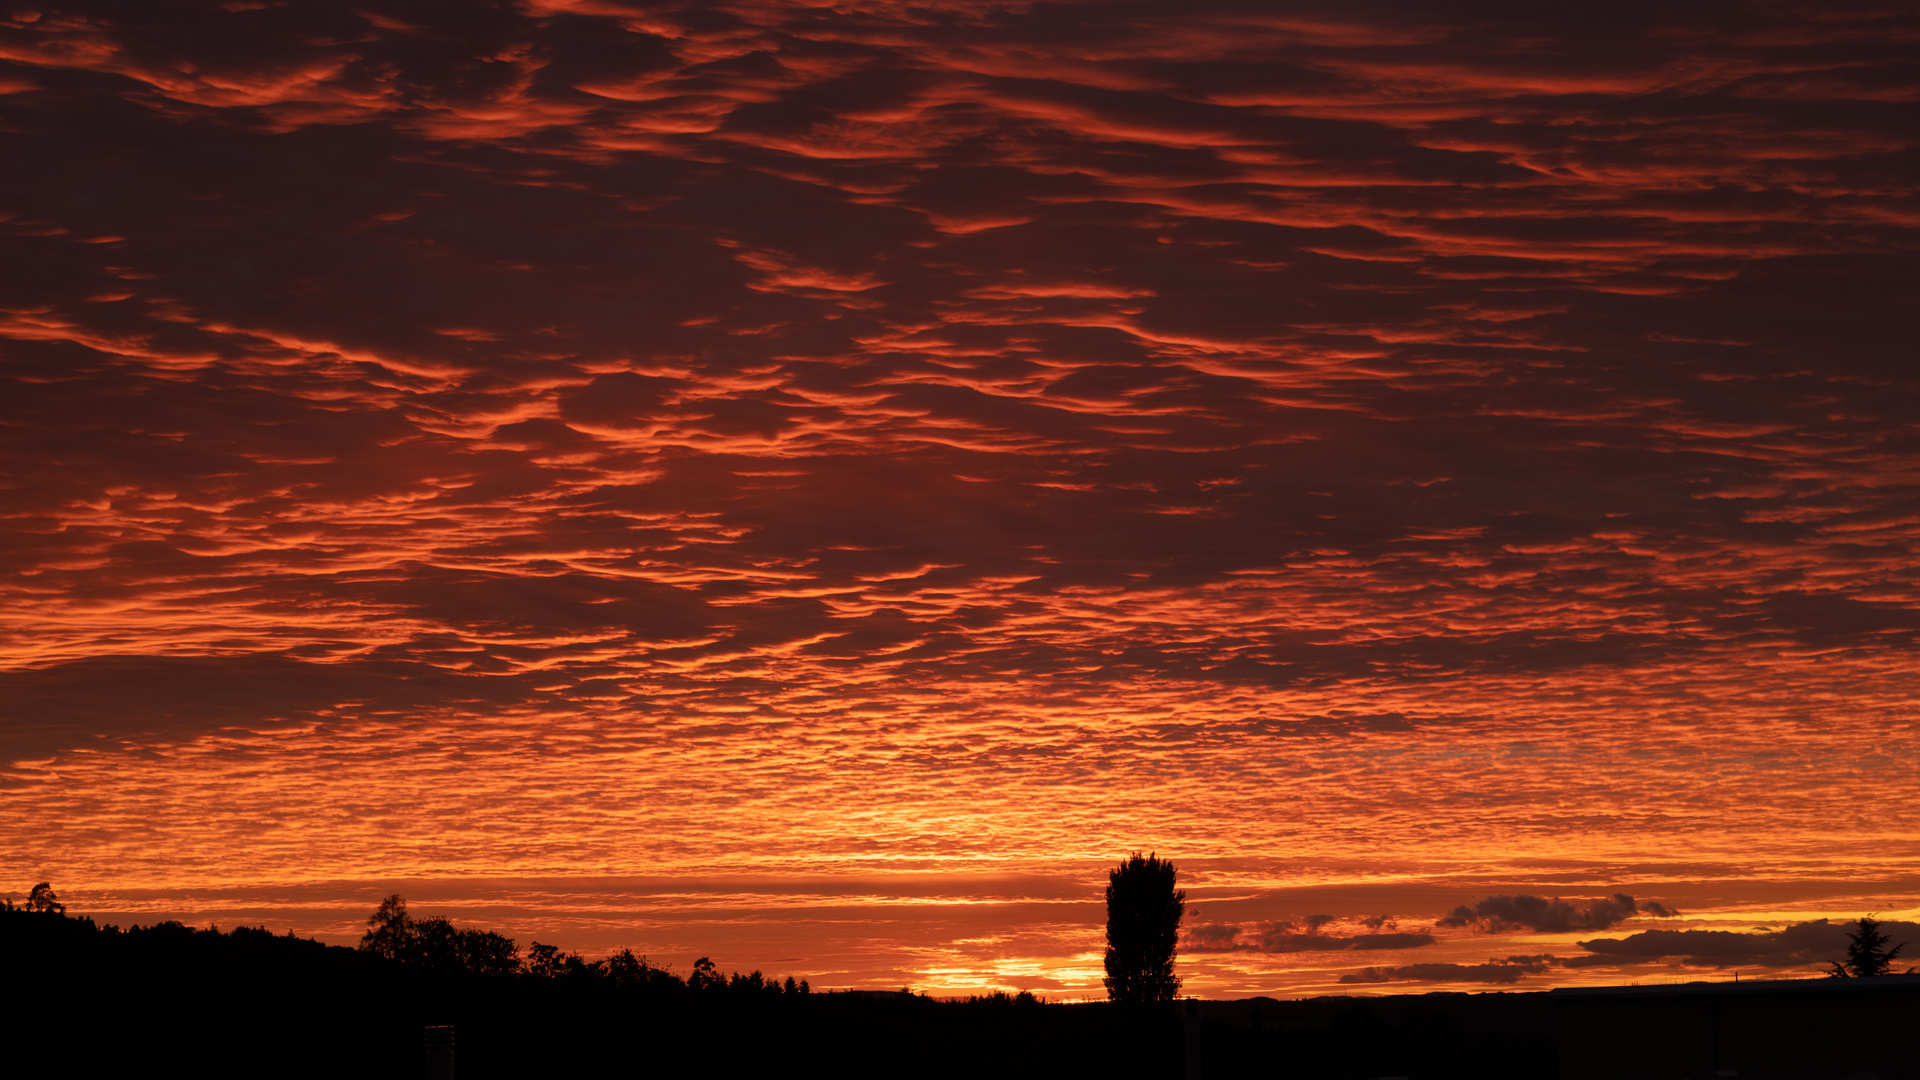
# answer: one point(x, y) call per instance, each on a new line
point(816, 485)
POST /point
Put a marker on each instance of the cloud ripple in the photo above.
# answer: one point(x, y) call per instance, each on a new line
point(766, 408)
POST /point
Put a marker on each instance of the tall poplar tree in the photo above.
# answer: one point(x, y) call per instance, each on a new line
point(1144, 910)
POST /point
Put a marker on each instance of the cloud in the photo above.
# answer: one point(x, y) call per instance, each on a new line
point(1501, 912)
point(1286, 937)
point(1815, 942)
point(1499, 972)
point(666, 429)
point(143, 700)
point(1212, 937)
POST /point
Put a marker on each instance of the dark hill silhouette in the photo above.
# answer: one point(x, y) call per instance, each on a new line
point(90, 1000)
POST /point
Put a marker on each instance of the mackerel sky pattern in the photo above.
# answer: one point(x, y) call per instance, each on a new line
point(756, 474)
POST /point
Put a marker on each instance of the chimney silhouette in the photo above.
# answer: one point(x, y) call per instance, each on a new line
point(439, 1051)
point(1193, 1038)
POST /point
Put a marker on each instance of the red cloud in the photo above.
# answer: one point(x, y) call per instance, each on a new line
point(766, 434)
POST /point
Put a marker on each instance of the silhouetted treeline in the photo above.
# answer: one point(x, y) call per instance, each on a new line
point(435, 944)
point(88, 1000)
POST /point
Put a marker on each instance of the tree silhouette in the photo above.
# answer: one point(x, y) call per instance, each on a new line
point(437, 943)
point(42, 899)
point(389, 930)
point(705, 976)
point(553, 962)
point(627, 970)
point(1143, 927)
point(1867, 953)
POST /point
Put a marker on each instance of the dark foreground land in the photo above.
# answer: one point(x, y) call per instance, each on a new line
point(170, 1000)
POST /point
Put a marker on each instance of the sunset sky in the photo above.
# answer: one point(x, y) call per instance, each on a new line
point(814, 485)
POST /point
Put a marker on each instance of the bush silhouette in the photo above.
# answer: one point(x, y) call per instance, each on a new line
point(1143, 928)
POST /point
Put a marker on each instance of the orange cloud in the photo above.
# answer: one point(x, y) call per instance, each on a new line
point(782, 450)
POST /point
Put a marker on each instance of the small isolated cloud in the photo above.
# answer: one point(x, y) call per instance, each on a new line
point(1216, 937)
point(1803, 943)
point(1286, 937)
point(1502, 972)
point(1499, 913)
